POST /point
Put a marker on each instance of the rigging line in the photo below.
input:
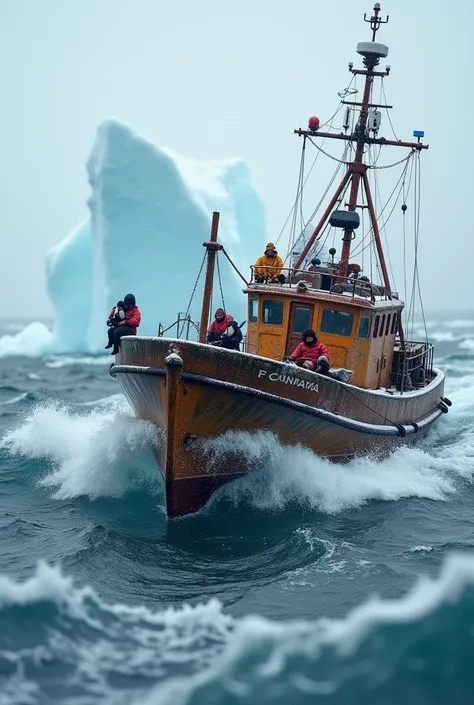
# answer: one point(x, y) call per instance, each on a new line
point(389, 166)
point(312, 253)
point(298, 194)
point(384, 229)
point(356, 251)
point(418, 214)
point(319, 204)
point(326, 154)
point(194, 289)
point(220, 280)
point(327, 188)
point(413, 290)
point(387, 110)
point(311, 168)
point(405, 291)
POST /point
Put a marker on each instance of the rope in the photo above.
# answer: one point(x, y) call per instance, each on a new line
point(220, 281)
point(193, 291)
point(387, 109)
point(357, 249)
point(400, 161)
point(326, 154)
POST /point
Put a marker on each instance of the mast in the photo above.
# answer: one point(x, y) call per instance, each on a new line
point(212, 247)
point(356, 172)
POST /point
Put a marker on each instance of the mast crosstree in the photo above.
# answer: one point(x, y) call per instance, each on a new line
point(356, 176)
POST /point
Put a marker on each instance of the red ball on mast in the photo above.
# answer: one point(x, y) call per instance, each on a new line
point(313, 123)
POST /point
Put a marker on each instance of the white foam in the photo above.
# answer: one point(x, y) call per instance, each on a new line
point(295, 474)
point(421, 549)
point(467, 344)
point(68, 360)
point(260, 651)
point(95, 454)
point(33, 341)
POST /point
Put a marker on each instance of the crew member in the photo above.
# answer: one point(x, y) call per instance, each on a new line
point(127, 325)
point(232, 338)
point(218, 326)
point(311, 354)
point(268, 267)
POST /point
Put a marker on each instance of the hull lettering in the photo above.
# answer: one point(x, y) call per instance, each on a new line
point(289, 379)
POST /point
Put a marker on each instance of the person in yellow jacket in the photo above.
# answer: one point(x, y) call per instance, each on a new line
point(268, 267)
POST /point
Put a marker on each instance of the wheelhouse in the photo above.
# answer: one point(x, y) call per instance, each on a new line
point(359, 331)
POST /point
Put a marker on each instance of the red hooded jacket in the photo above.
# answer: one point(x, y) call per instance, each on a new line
point(310, 352)
point(132, 319)
point(220, 326)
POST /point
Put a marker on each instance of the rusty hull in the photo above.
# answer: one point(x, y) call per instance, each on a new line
point(201, 392)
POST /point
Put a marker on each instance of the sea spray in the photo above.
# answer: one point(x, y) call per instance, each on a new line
point(99, 453)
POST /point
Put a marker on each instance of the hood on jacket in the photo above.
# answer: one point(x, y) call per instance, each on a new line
point(219, 314)
point(129, 300)
point(270, 249)
point(309, 332)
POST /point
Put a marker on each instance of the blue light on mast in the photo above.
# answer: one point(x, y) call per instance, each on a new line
point(418, 133)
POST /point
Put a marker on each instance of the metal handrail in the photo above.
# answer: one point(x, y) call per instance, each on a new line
point(338, 284)
point(185, 320)
point(405, 373)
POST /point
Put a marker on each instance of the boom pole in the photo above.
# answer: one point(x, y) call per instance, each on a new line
point(212, 248)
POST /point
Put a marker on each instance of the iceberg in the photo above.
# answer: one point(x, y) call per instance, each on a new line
point(150, 212)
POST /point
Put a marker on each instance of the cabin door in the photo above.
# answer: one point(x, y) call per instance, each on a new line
point(301, 318)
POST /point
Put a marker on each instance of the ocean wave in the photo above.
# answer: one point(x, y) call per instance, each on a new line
point(467, 344)
point(33, 340)
point(104, 653)
point(57, 362)
point(382, 651)
point(16, 400)
point(460, 323)
point(98, 453)
point(105, 452)
point(289, 474)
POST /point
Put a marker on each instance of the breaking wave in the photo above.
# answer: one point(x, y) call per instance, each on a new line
point(198, 655)
point(97, 453)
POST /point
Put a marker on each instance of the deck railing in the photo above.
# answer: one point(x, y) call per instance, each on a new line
point(321, 279)
point(412, 367)
point(183, 324)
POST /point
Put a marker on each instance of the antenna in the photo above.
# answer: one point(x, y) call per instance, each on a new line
point(375, 21)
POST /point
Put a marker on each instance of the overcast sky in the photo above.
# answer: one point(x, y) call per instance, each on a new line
point(214, 79)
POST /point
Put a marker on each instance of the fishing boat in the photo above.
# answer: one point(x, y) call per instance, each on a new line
point(382, 389)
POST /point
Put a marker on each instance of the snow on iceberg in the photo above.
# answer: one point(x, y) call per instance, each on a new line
point(150, 212)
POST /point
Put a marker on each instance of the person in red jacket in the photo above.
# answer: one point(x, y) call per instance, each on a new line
point(218, 326)
point(126, 326)
point(309, 352)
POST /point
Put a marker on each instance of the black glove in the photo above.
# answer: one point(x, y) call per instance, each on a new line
point(110, 322)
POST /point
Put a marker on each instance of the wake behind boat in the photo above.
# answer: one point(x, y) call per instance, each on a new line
point(381, 390)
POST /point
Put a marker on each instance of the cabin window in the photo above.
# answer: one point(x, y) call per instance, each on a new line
point(394, 323)
point(387, 327)
point(273, 313)
point(382, 324)
point(253, 310)
point(336, 322)
point(376, 326)
point(301, 319)
point(364, 327)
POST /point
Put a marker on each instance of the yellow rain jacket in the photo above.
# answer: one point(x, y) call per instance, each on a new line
point(269, 266)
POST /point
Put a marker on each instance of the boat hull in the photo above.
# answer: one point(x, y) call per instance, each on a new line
point(196, 393)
